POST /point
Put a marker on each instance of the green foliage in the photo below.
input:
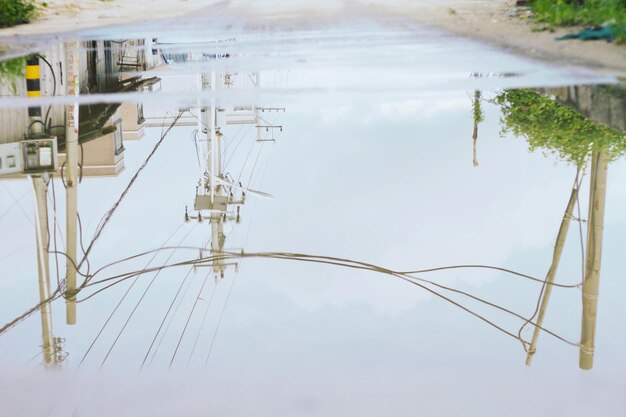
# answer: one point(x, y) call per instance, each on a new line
point(15, 12)
point(477, 110)
point(556, 128)
point(11, 71)
point(583, 12)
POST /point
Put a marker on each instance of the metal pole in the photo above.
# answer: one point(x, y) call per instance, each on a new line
point(595, 231)
point(41, 229)
point(556, 258)
point(71, 175)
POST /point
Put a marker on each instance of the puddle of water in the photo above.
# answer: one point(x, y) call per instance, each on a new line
point(237, 161)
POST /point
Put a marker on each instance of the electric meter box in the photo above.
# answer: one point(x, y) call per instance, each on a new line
point(40, 155)
point(11, 158)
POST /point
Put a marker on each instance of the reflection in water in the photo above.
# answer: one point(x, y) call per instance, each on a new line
point(589, 125)
point(563, 129)
point(478, 118)
point(100, 67)
point(64, 142)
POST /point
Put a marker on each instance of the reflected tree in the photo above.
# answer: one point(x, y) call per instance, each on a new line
point(479, 117)
point(559, 129)
point(556, 128)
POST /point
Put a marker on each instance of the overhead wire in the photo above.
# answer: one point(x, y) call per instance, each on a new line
point(239, 142)
point(196, 248)
point(230, 141)
point(206, 313)
point(255, 163)
point(156, 335)
point(496, 268)
point(13, 252)
point(219, 321)
point(107, 217)
point(545, 283)
point(331, 261)
point(46, 120)
point(245, 162)
point(368, 266)
point(173, 315)
point(33, 358)
point(193, 308)
point(195, 145)
point(143, 295)
point(123, 298)
point(15, 203)
point(80, 241)
point(357, 265)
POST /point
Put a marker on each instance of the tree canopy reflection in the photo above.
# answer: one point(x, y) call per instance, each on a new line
point(556, 128)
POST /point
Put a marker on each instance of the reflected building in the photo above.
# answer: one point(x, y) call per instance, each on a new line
point(40, 141)
point(104, 68)
point(100, 128)
point(604, 104)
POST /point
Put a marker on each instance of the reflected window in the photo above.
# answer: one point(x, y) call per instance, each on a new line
point(140, 118)
point(117, 137)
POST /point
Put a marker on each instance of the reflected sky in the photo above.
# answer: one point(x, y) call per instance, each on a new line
point(359, 173)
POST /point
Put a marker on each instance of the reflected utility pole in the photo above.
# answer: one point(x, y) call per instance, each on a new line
point(595, 231)
point(72, 88)
point(215, 193)
point(265, 130)
point(42, 236)
point(43, 245)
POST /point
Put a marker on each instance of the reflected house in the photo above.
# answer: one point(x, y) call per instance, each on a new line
point(132, 119)
point(102, 126)
point(604, 104)
point(101, 152)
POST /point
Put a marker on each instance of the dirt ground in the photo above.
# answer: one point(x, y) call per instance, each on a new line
point(486, 20)
point(490, 21)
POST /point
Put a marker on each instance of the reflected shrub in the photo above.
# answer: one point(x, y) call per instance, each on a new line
point(556, 128)
point(11, 71)
point(16, 12)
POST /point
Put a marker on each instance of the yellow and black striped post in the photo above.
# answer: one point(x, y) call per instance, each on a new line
point(33, 89)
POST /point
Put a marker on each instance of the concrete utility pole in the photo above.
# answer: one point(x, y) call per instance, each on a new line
point(43, 244)
point(36, 129)
point(215, 194)
point(556, 258)
point(72, 86)
point(595, 231)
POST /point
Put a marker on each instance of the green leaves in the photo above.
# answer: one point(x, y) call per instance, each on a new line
point(555, 128)
point(11, 71)
point(583, 12)
point(15, 12)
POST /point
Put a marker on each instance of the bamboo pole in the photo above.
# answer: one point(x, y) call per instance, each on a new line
point(595, 231)
point(556, 258)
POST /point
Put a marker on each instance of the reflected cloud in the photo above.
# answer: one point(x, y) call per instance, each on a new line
point(363, 157)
